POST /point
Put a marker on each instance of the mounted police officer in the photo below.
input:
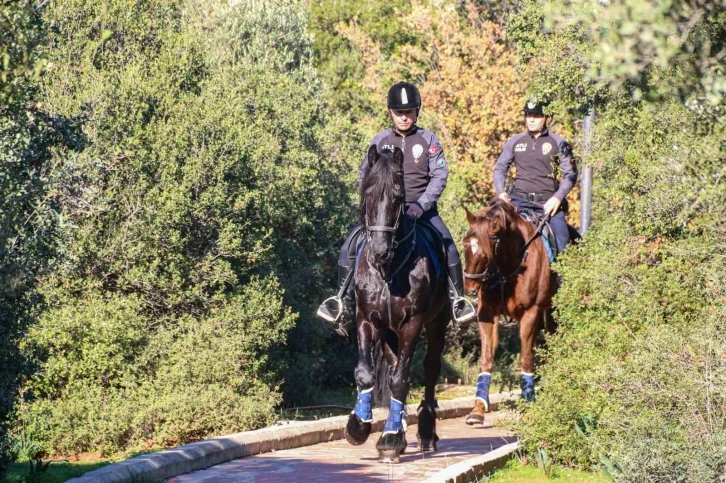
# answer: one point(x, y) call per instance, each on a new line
point(425, 172)
point(537, 154)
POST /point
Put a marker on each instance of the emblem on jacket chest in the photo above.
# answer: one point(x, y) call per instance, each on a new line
point(417, 152)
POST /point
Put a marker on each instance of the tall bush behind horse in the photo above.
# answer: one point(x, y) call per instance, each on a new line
point(398, 292)
point(507, 267)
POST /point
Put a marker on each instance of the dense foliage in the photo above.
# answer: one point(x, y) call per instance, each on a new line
point(189, 220)
point(177, 176)
point(27, 135)
point(634, 378)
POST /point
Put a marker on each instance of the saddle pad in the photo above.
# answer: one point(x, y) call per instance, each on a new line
point(432, 254)
point(420, 238)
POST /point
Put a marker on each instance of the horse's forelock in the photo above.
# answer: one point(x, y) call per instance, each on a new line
point(493, 221)
point(382, 178)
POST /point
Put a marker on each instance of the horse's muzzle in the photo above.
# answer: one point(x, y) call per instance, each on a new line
point(471, 293)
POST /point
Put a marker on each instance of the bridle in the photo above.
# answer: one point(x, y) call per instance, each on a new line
point(370, 229)
point(492, 277)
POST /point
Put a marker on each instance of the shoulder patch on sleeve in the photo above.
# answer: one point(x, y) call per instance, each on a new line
point(434, 149)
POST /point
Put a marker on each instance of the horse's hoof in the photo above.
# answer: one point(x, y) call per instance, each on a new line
point(473, 419)
point(427, 444)
point(356, 431)
point(476, 416)
point(389, 456)
point(391, 446)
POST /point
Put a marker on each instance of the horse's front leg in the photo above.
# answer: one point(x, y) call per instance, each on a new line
point(487, 326)
point(527, 333)
point(393, 440)
point(359, 422)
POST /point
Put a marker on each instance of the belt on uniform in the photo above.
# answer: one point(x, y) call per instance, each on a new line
point(532, 197)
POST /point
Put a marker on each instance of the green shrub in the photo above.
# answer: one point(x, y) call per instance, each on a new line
point(190, 221)
point(636, 363)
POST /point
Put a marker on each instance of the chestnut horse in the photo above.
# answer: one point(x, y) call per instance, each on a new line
point(398, 292)
point(507, 266)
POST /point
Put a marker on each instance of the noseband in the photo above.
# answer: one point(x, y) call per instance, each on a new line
point(370, 229)
point(486, 274)
point(394, 243)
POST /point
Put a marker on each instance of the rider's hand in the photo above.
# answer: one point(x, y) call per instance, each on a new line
point(414, 211)
point(505, 196)
point(551, 207)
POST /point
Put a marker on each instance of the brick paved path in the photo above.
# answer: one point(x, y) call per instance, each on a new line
point(338, 461)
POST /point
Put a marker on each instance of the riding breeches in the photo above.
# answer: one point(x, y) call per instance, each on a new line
point(557, 222)
point(431, 217)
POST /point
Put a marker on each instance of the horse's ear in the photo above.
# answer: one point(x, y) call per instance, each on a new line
point(470, 217)
point(373, 155)
point(398, 157)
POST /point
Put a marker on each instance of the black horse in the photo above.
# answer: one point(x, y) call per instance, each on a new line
point(398, 293)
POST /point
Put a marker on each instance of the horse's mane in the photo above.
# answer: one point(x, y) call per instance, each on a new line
point(495, 220)
point(383, 177)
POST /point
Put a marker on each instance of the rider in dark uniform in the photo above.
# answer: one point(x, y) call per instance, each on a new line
point(425, 172)
point(537, 153)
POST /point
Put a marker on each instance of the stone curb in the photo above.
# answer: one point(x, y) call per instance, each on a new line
point(472, 469)
point(203, 454)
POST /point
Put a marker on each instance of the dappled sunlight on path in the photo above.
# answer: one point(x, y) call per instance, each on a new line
point(339, 461)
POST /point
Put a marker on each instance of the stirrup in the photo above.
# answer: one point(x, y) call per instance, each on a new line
point(324, 312)
point(466, 318)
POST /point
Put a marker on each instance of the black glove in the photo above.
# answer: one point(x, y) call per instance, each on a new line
point(565, 149)
point(414, 211)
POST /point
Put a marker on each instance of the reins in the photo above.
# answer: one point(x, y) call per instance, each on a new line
point(394, 244)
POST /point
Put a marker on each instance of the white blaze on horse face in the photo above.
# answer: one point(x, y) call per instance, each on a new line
point(474, 246)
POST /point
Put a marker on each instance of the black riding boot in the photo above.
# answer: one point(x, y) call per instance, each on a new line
point(339, 311)
point(463, 309)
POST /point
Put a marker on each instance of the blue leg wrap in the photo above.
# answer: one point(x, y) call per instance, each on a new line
point(482, 388)
point(363, 408)
point(396, 415)
point(528, 387)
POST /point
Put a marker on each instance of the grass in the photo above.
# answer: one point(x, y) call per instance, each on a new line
point(515, 472)
point(58, 471)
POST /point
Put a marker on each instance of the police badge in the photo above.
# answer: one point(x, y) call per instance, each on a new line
point(417, 152)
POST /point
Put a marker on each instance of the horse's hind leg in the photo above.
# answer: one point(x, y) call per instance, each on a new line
point(359, 422)
point(486, 364)
point(436, 337)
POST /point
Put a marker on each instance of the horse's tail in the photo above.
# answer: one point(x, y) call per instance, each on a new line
point(382, 371)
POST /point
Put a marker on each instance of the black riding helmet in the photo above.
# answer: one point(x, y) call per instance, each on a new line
point(404, 96)
point(535, 107)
